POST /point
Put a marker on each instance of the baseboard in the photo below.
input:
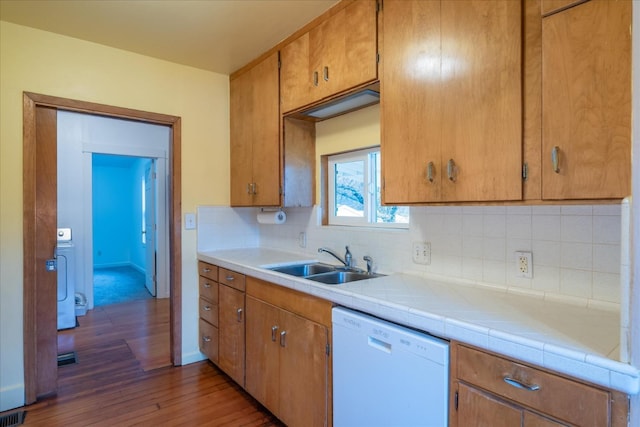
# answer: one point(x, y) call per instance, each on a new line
point(11, 397)
point(112, 265)
point(194, 357)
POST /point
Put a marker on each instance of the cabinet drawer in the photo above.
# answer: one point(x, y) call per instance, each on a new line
point(209, 311)
point(208, 270)
point(208, 289)
point(589, 405)
point(209, 340)
point(231, 278)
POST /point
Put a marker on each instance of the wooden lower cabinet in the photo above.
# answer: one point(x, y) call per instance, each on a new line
point(231, 330)
point(287, 360)
point(492, 391)
point(208, 310)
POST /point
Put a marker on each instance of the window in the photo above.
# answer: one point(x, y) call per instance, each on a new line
point(354, 192)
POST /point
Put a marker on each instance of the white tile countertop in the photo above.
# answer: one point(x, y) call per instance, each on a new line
point(577, 341)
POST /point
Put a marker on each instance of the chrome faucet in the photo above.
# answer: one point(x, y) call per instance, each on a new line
point(369, 263)
point(347, 261)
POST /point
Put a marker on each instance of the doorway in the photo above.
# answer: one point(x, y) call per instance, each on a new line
point(125, 202)
point(39, 233)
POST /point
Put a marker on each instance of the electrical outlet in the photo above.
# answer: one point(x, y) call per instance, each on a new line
point(302, 239)
point(421, 253)
point(524, 264)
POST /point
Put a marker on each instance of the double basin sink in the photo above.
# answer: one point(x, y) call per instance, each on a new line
point(325, 273)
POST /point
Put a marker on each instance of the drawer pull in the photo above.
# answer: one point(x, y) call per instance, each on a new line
point(283, 339)
point(206, 339)
point(206, 270)
point(521, 385)
point(207, 308)
point(274, 329)
point(230, 278)
point(239, 315)
point(207, 285)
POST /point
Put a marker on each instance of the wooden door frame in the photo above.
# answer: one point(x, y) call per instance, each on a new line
point(30, 327)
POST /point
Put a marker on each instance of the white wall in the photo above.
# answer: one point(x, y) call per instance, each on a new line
point(79, 136)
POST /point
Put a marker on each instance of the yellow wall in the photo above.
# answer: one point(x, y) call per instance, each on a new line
point(37, 61)
point(351, 131)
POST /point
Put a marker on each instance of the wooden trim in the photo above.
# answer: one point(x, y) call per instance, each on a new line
point(306, 28)
point(101, 109)
point(29, 245)
point(30, 102)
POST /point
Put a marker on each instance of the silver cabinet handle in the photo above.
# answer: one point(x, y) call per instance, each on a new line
point(230, 278)
point(254, 186)
point(207, 285)
point(315, 78)
point(451, 170)
point(206, 270)
point(325, 73)
point(206, 339)
point(239, 315)
point(430, 171)
point(207, 308)
point(521, 385)
point(555, 159)
point(249, 188)
point(283, 336)
point(274, 329)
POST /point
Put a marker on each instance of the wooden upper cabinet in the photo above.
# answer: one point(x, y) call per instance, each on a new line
point(410, 102)
point(451, 103)
point(586, 100)
point(333, 57)
point(255, 135)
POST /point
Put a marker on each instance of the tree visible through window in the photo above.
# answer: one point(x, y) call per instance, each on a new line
point(355, 193)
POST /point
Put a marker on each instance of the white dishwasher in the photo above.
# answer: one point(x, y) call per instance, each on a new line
point(387, 375)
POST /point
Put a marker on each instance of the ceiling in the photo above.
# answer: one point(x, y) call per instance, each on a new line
point(214, 35)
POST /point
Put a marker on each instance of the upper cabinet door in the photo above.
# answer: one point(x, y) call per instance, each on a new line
point(451, 101)
point(586, 100)
point(410, 104)
point(335, 56)
point(255, 136)
point(481, 100)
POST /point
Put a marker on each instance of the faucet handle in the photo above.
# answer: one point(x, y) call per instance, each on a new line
point(369, 263)
point(348, 259)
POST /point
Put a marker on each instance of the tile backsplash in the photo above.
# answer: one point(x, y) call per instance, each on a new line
point(576, 248)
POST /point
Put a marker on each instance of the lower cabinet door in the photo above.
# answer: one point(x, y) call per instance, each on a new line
point(479, 409)
point(304, 372)
point(262, 353)
point(231, 317)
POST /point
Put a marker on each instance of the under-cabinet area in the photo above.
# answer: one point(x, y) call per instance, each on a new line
point(503, 379)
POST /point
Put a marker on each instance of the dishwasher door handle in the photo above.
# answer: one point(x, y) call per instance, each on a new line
point(380, 345)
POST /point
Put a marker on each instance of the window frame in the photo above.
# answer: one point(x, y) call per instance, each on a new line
point(370, 207)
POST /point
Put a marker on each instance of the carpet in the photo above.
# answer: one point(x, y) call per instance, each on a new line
point(116, 285)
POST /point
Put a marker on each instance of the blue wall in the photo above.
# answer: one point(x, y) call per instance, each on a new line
point(117, 210)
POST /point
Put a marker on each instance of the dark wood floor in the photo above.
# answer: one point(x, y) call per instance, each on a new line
point(123, 378)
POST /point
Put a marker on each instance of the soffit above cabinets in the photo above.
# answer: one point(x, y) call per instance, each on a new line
point(219, 36)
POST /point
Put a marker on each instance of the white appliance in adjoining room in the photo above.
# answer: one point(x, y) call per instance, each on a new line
point(386, 374)
point(65, 259)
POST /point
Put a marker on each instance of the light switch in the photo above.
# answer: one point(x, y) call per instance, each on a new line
point(189, 221)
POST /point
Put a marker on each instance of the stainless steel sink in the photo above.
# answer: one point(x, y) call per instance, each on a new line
point(339, 277)
point(303, 270)
point(325, 273)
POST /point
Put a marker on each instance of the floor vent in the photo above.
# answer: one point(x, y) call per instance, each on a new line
point(65, 359)
point(12, 419)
